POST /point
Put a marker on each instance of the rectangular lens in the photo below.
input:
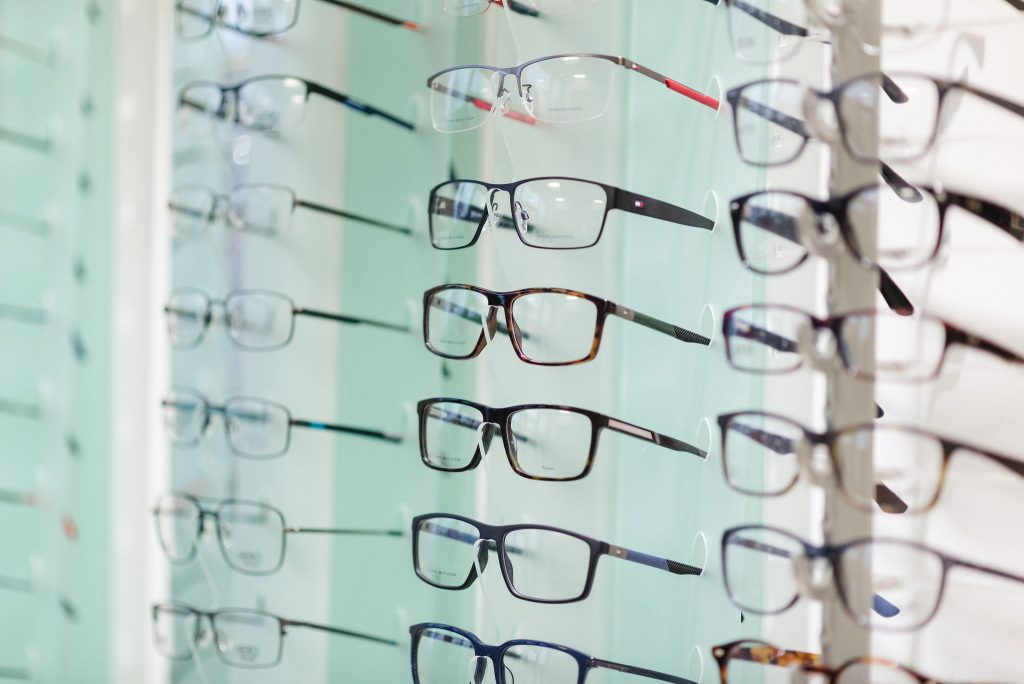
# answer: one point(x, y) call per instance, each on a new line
point(257, 428)
point(247, 638)
point(173, 629)
point(457, 213)
point(443, 657)
point(558, 213)
point(770, 229)
point(251, 537)
point(555, 327)
point(262, 209)
point(890, 585)
point(547, 565)
point(754, 26)
point(568, 88)
point(550, 444)
point(891, 232)
point(260, 320)
point(760, 574)
point(887, 346)
point(445, 551)
point(454, 322)
point(461, 99)
point(194, 18)
point(769, 122)
point(272, 104)
point(200, 107)
point(193, 210)
point(533, 663)
point(760, 454)
point(185, 417)
point(449, 435)
point(891, 124)
point(259, 17)
point(188, 314)
point(177, 526)
point(765, 338)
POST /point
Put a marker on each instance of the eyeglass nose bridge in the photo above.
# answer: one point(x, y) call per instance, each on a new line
point(823, 236)
point(815, 462)
point(810, 342)
point(480, 555)
point(485, 432)
point(490, 322)
point(813, 575)
point(820, 117)
point(477, 668)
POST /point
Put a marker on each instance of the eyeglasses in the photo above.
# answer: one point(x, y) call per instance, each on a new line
point(243, 638)
point(870, 344)
point(878, 467)
point(259, 18)
point(539, 563)
point(892, 117)
point(559, 88)
point(254, 428)
point(255, 208)
point(885, 584)
point(256, 319)
point(750, 660)
point(547, 326)
point(542, 441)
point(268, 104)
point(252, 536)
point(442, 654)
point(552, 212)
point(776, 230)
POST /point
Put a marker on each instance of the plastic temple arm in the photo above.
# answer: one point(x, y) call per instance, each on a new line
point(957, 336)
point(1008, 105)
point(675, 86)
point(770, 20)
point(639, 671)
point(354, 320)
point(21, 408)
point(661, 326)
point(518, 7)
point(373, 14)
point(348, 429)
point(471, 316)
point(750, 331)
point(358, 105)
point(1009, 221)
point(335, 630)
point(25, 314)
point(653, 437)
point(675, 567)
point(353, 217)
point(631, 202)
point(350, 532)
point(769, 655)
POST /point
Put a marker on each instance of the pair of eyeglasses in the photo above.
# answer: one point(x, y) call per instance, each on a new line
point(551, 212)
point(243, 638)
point(255, 208)
point(877, 345)
point(559, 89)
point(777, 230)
point(252, 536)
point(542, 441)
point(895, 117)
point(255, 319)
point(538, 563)
point(442, 654)
point(260, 18)
point(878, 467)
point(884, 584)
point(749, 660)
point(253, 428)
point(547, 326)
point(267, 104)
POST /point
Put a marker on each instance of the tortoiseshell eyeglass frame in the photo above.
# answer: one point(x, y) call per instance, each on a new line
point(766, 654)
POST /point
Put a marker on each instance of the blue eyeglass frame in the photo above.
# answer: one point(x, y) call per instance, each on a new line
point(497, 653)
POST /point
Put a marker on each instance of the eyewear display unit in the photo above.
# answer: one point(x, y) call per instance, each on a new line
point(260, 18)
point(542, 441)
point(538, 563)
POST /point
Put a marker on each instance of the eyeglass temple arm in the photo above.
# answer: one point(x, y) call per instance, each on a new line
point(639, 671)
point(21, 408)
point(878, 604)
point(675, 86)
point(769, 655)
point(634, 203)
point(518, 7)
point(750, 331)
point(18, 498)
point(354, 320)
point(653, 437)
point(1016, 4)
point(335, 630)
point(341, 213)
point(373, 14)
point(357, 105)
point(1008, 105)
point(347, 429)
point(478, 102)
point(675, 567)
point(25, 314)
point(467, 212)
point(471, 316)
point(465, 421)
point(957, 336)
point(1009, 221)
point(343, 531)
point(675, 331)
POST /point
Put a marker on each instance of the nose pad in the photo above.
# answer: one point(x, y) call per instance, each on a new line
point(493, 209)
point(814, 575)
point(202, 636)
point(818, 347)
point(503, 102)
point(223, 642)
point(491, 323)
point(827, 236)
point(820, 117)
point(485, 432)
point(816, 462)
point(522, 218)
point(476, 668)
point(480, 558)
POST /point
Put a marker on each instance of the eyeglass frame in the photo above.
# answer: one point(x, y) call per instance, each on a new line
point(215, 21)
point(953, 336)
point(501, 420)
point(616, 199)
point(496, 654)
point(495, 534)
point(505, 301)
